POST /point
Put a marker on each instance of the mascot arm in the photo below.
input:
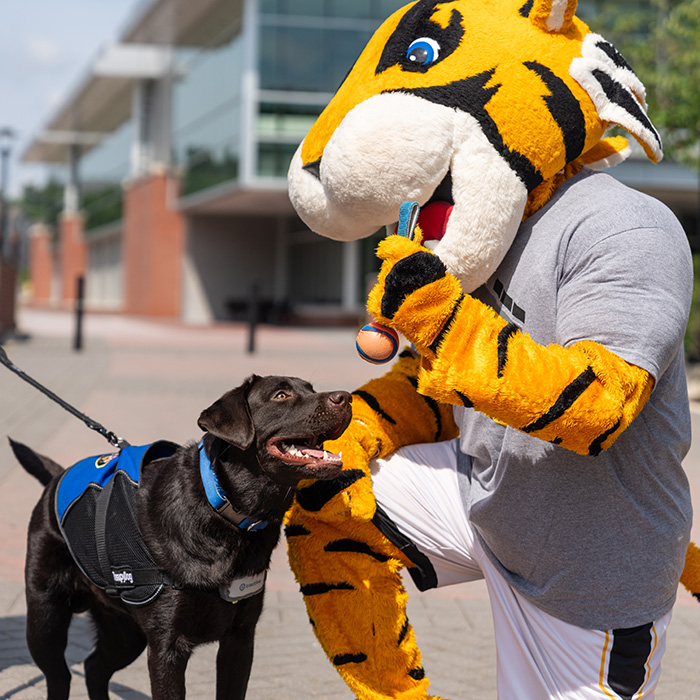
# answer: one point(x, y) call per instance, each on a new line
point(581, 397)
point(348, 571)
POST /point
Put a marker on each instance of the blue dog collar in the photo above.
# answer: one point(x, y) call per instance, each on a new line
point(217, 497)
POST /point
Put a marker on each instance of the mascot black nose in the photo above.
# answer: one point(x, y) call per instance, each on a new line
point(314, 167)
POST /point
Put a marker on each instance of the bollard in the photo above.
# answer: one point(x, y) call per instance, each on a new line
point(79, 298)
point(253, 317)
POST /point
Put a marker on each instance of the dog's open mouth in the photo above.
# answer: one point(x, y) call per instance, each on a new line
point(303, 451)
point(308, 451)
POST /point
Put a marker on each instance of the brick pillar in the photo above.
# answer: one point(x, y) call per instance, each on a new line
point(72, 253)
point(40, 263)
point(153, 247)
point(8, 293)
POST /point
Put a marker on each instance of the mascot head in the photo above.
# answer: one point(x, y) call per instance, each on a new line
point(485, 104)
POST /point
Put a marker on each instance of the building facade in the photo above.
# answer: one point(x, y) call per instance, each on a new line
point(174, 149)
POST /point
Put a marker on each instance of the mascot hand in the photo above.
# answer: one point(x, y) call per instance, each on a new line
point(348, 494)
point(415, 294)
point(387, 413)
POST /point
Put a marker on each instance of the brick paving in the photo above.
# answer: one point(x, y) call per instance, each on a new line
point(149, 380)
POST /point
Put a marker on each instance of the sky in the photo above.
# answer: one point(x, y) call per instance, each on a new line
point(45, 47)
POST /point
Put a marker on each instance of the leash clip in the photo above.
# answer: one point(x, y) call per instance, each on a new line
point(116, 441)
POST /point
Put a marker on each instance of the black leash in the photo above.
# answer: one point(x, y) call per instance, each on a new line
point(111, 437)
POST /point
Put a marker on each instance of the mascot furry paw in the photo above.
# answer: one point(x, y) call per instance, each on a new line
point(479, 111)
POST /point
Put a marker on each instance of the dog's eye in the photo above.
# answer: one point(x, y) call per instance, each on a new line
point(280, 396)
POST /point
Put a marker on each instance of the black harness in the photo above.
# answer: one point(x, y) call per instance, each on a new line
point(96, 512)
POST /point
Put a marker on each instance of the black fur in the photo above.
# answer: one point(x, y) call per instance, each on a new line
point(188, 539)
point(408, 275)
point(43, 468)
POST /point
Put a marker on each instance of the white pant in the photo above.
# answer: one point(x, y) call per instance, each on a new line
point(539, 656)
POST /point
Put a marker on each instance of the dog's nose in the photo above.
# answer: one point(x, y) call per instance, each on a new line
point(339, 397)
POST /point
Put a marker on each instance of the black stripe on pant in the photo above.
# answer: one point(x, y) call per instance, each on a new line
point(630, 652)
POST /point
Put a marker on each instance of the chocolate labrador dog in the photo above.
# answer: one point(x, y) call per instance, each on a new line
point(208, 517)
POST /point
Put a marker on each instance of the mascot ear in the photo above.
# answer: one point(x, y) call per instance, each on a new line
point(616, 92)
point(550, 15)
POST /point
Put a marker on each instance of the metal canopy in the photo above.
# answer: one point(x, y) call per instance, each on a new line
point(101, 99)
point(98, 105)
point(185, 23)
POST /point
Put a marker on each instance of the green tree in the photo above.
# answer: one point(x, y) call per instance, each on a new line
point(661, 40)
point(43, 204)
point(676, 79)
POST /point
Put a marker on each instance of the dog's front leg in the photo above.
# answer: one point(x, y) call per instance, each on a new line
point(167, 663)
point(233, 664)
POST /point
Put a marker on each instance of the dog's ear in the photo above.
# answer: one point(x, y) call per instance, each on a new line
point(229, 418)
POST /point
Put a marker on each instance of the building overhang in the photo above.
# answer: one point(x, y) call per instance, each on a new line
point(675, 184)
point(184, 22)
point(267, 197)
point(97, 106)
point(101, 99)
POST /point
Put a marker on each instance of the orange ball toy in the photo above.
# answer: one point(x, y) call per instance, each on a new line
point(376, 343)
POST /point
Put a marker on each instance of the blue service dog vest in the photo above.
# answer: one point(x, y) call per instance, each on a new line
point(96, 514)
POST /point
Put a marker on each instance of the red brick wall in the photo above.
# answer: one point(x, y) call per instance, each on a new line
point(8, 290)
point(40, 264)
point(73, 253)
point(153, 248)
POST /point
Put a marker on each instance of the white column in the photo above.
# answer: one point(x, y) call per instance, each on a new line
point(249, 92)
point(351, 275)
point(141, 146)
point(71, 190)
point(160, 114)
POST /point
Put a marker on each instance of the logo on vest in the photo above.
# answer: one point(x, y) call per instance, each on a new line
point(104, 460)
point(123, 577)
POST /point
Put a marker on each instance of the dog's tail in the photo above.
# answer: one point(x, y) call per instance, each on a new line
point(43, 468)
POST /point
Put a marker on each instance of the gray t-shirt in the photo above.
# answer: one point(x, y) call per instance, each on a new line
point(598, 542)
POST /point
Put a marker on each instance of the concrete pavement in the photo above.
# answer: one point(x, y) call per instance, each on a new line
point(148, 380)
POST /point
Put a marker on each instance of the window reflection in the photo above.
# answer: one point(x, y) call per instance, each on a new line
point(207, 112)
point(102, 172)
point(306, 46)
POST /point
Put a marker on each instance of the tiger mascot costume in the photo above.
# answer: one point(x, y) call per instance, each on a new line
point(487, 106)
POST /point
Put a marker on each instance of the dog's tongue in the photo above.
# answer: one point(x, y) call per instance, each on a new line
point(433, 220)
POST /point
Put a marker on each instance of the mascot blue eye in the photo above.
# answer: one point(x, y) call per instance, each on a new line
point(423, 51)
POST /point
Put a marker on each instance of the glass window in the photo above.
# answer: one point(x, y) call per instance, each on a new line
point(381, 9)
point(285, 121)
point(316, 263)
point(102, 171)
point(313, 8)
point(207, 114)
point(274, 158)
point(350, 9)
point(354, 8)
point(307, 58)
